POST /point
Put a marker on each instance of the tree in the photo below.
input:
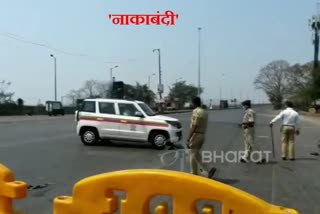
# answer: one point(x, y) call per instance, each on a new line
point(139, 92)
point(300, 87)
point(20, 102)
point(102, 89)
point(5, 97)
point(272, 78)
point(182, 93)
point(90, 89)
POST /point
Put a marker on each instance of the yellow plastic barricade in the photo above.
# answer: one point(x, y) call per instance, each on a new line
point(9, 190)
point(94, 195)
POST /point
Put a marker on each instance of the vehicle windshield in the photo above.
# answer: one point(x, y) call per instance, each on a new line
point(147, 109)
point(56, 106)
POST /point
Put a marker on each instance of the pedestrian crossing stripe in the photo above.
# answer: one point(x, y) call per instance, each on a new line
point(124, 121)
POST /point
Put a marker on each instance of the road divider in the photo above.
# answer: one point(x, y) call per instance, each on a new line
point(10, 190)
point(96, 194)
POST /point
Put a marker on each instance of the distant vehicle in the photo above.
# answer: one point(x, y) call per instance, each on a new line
point(125, 120)
point(187, 106)
point(224, 104)
point(54, 108)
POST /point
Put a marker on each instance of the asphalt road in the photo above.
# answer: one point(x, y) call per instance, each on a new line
point(47, 151)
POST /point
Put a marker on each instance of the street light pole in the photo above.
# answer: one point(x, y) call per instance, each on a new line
point(111, 73)
point(149, 79)
point(160, 87)
point(199, 62)
point(55, 77)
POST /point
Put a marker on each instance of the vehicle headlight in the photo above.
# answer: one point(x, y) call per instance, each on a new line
point(175, 124)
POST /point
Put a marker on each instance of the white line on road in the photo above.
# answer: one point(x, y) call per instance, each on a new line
point(37, 140)
point(263, 136)
point(273, 185)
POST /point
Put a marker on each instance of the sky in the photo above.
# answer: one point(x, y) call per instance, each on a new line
point(237, 39)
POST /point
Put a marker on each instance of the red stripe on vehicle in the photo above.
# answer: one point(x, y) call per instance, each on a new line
point(130, 123)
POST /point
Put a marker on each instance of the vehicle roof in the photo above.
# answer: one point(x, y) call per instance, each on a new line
point(113, 100)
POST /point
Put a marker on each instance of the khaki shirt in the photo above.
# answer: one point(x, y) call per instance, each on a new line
point(200, 119)
point(249, 116)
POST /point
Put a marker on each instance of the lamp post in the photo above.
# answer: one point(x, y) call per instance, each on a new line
point(55, 77)
point(199, 62)
point(111, 74)
point(220, 87)
point(160, 86)
point(149, 79)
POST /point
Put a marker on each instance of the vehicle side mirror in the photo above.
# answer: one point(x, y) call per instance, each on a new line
point(139, 114)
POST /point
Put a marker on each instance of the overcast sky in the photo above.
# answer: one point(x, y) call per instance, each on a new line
point(238, 38)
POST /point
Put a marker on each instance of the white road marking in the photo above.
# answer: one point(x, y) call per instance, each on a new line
point(40, 140)
point(273, 185)
point(263, 136)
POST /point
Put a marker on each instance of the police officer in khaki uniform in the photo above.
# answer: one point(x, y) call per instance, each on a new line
point(248, 126)
point(196, 139)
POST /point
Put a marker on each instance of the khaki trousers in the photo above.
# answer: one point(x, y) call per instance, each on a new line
point(249, 134)
point(196, 143)
point(287, 138)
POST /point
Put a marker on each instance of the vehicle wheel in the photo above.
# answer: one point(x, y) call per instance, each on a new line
point(158, 140)
point(89, 137)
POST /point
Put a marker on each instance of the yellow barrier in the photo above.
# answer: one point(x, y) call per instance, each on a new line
point(95, 195)
point(9, 190)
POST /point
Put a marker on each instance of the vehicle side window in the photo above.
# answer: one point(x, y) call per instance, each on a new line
point(89, 106)
point(127, 109)
point(107, 108)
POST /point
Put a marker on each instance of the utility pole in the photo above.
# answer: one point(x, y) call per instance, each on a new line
point(199, 63)
point(160, 86)
point(55, 77)
point(149, 80)
point(314, 24)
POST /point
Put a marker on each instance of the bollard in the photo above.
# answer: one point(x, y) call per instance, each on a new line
point(95, 195)
point(9, 190)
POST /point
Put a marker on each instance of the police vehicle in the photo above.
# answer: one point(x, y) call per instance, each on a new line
point(125, 120)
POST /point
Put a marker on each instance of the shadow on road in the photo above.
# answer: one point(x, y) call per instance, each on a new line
point(122, 144)
point(306, 159)
point(227, 180)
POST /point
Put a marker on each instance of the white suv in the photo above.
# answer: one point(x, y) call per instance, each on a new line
point(125, 120)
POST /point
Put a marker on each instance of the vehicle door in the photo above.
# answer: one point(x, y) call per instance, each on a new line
point(88, 115)
point(131, 126)
point(108, 119)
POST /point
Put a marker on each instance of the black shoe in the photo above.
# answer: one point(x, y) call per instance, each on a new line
point(292, 159)
point(172, 148)
point(262, 161)
point(211, 172)
point(284, 158)
point(242, 160)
